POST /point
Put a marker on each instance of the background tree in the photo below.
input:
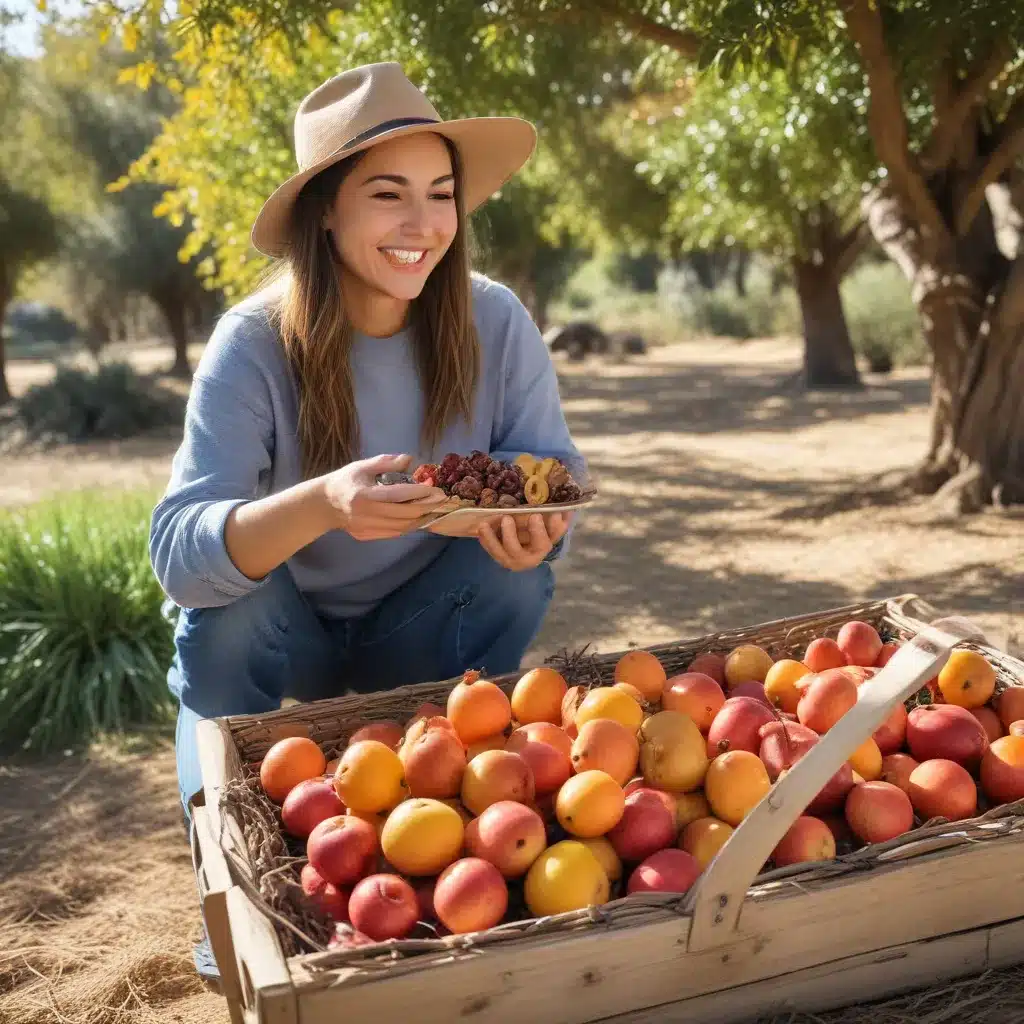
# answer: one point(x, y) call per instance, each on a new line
point(116, 247)
point(29, 230)
point(770, 164)
point(946, 120)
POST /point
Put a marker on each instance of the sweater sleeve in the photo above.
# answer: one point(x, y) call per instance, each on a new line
point(530, 417)
point(226, 447)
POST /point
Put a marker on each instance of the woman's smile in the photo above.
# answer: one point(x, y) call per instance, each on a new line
point(405, 259)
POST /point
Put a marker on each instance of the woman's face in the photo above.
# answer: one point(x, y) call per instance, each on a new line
point(395, 215)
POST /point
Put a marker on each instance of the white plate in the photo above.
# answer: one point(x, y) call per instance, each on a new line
point(464, 522)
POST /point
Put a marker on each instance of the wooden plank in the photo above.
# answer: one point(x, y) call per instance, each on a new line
point(607, 971)
point(855, 979)
point(214, 882)
point(267, 993)
point(1006, 945)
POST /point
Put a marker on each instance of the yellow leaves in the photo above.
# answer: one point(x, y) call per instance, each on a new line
point(130, 36)
point(41, 6)
point(141, 74)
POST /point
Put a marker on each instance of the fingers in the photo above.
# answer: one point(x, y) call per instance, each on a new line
point(399, 501)
point(490, 543)
point(558, 526)
point(384, 464)
point(512, 545)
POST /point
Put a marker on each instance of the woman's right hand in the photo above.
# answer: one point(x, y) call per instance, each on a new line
point(369, 511)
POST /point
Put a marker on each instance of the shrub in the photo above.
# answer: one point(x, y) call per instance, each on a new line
point(883, 323)
point(110, 403)
point(84, 648)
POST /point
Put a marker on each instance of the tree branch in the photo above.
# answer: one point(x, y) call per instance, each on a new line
point(1009, 146)
point(683, 41)
point(886, 121)
point(851, 245)
point(951, 122)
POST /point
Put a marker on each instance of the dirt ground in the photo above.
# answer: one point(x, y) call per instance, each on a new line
point(727, 498)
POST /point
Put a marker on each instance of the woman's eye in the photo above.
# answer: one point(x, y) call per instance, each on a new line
point(444, 197)
point(385, 195)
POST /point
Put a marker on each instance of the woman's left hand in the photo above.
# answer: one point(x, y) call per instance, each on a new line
point(525, 546)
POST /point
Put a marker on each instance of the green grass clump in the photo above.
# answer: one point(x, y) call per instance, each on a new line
point(84, 648)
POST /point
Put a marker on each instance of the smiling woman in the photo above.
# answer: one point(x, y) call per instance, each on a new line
point(295, 572)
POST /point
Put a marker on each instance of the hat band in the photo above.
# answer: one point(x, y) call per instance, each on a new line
point(387, 126)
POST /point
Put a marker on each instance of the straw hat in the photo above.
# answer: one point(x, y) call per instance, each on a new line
point(374, 103)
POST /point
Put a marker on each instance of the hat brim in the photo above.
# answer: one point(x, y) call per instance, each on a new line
point(491, 149)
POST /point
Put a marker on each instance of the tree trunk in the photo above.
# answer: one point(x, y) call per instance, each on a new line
point(971, 305)
point(174, 313)
point(5, 297)
point(740, 270)
point(829, 361)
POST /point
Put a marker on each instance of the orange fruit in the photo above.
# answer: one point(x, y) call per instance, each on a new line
point(478, 708)
point(967, 679)
point(780, 683)
point(537, 697)
point(866, 761)
point(590, 804)
point(608, 746)
point(289, 762)
point(642, 670)
point(370, 777)
point(736, 782)
point(703, 838)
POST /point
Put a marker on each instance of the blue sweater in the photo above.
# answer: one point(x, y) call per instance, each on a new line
point(240, 443)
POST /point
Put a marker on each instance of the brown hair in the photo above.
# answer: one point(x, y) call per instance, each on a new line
point(317, 335)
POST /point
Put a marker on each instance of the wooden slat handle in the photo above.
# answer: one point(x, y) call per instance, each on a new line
point(715, 901)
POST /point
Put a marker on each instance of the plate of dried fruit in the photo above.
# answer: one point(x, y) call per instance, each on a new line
point(480, 487)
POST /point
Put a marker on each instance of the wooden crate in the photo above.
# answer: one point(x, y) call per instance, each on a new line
point(944, 901)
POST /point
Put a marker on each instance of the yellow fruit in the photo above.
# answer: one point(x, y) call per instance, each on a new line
point(609, 702)
point(602, 849)
point(780, 684)
point(690, 807)
point(735, 784)
point(566, 876)
point(590, 804)
point(866, 761)
point(370, 777)
point(967, 679)
point(747, 663)
point(422, 837)
point(673, 753)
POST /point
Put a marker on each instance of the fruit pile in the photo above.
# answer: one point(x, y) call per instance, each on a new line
point(497, 808)
point(479, 480)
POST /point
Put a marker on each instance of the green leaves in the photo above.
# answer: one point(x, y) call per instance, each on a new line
point(84, 648)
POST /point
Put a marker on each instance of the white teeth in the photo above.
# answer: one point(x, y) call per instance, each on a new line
point(406, 255)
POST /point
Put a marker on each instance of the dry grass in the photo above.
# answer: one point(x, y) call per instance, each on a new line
point(729, 495)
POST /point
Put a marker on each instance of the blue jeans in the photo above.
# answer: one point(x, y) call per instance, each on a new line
point(462, 611)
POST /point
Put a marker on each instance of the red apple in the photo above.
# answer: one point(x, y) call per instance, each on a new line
point(860, 642)
point(331, 899)
point(308, 804)
point(340, 847)
point(646, 826)
point(946, 731)
point(383, 907)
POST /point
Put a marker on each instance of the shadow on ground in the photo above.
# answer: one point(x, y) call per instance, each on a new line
point(84, 802)
point(656, 396)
